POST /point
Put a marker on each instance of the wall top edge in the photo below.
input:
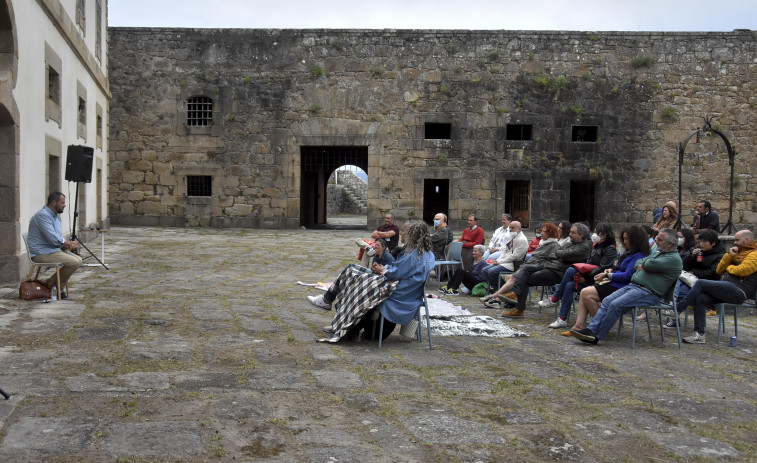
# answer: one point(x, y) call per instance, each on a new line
point(735, 32)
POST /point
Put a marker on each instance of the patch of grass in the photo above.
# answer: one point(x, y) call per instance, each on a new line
point(597, 62)
point(493, 55)
point(316, 71)
point(642, 61)
point(445, 89)
point(442, 158)
point(247, 80)
point(669, 114)
point(314, 108)
point(377, 70)
point(541, 81)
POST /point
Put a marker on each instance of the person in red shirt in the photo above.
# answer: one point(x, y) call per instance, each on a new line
point(472, 236)
point(537, 239)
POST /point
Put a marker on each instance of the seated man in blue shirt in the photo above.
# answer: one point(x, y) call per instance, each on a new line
point(46, 243)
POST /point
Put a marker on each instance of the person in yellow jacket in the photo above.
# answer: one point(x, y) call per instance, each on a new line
point(738, 269)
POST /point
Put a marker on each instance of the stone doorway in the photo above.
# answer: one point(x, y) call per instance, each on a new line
point(582, 199)
point(317, 164)
point(435, 198)
point(518, 201)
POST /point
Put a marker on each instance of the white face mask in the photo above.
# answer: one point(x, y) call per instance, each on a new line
point(680, 241)
point(595, 238)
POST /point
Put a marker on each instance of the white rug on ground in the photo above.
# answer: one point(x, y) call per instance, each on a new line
point(448, 319)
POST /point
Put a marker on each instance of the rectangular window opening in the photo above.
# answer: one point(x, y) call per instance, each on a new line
point(438, 131)
point(518, 132)
point(585, 133)
point(98, 29)
point(53, 85)
point(199, 185)
point(199, 111)
point(82, 111)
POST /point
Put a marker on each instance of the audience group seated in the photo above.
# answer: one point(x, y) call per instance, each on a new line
point(592, 272)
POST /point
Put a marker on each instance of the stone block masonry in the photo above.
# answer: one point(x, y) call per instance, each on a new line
point(548, 125)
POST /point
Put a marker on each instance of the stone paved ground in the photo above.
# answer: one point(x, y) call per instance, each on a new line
point(197, 346)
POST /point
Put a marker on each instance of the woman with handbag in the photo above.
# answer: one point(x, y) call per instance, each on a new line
point(700, 262)
point(602, 256)
point(618, 275)
point(469, 279)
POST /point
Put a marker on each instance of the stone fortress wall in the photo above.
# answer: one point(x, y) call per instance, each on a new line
point(275, 91)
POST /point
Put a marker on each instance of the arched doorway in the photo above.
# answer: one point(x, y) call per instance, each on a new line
point(10, 233)
point(347, 198)
point(317, 164)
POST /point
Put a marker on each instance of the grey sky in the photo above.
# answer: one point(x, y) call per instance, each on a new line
point(583, 15)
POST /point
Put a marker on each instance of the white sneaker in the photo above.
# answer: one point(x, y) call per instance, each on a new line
point(559, 323)
point(371, 251)
point(486, 298)
point(695, 338)
point(319, 302)
point(464, 290)
point(547, 302)
point(327, 329)
point(641, 317)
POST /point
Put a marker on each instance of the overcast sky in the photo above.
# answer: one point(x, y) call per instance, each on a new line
point(581, 15)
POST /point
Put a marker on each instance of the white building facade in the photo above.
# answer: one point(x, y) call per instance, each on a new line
point(53, 93)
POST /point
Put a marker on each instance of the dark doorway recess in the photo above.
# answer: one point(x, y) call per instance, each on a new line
point(317, 163)
point(518, 201)
point(435, 198)
point(582, 201)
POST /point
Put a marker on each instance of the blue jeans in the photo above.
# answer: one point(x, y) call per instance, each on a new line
point(616, 304)
point(707, 293)
point(491, 273)
point(491, 256)
point(566, 292)
point(681, 290)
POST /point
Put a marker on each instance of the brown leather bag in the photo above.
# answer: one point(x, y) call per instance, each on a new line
point(30, 290)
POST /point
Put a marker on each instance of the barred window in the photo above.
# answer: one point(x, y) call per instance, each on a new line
point(199, 111)
point(199, 185)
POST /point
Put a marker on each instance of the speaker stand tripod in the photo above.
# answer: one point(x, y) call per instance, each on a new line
point(73, 233)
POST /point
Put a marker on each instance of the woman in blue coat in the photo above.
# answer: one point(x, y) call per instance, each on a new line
point(397, 288)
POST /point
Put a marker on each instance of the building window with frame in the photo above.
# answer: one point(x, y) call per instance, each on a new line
point(98, 126)
point(199, 111)
point(437, 131)
point(81, 16)
point(199, 185)
point(81, 111)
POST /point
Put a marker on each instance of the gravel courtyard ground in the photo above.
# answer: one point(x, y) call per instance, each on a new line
point(197, 345)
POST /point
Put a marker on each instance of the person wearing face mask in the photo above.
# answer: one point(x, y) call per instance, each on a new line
point(603, 254)
point(441, 236)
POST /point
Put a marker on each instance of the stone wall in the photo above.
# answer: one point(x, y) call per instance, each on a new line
point(275, 91)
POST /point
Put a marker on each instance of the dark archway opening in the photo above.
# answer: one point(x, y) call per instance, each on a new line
point(317, 164)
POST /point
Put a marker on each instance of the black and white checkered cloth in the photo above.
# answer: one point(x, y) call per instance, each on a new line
point(359, 290)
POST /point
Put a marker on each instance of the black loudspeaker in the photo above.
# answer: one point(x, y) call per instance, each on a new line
point(79, 163)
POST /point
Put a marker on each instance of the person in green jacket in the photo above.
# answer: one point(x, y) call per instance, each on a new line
point(655, 275)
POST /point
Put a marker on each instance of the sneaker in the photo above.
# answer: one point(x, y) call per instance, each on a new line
point(670, 323)
point(452, 292)
point(585, 335)
point(514, 313)
point(319, 302)
point(511, 297)
point(370, 251)
point(559, 323)
point(695, 338)
point(488, 297)
point(492, 304)
point(443, 289)
point(547, 302)
point(328, 329)
point(641, 317)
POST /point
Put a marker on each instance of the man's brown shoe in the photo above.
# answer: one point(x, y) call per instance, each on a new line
point(515, 313)
point(511, 297)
